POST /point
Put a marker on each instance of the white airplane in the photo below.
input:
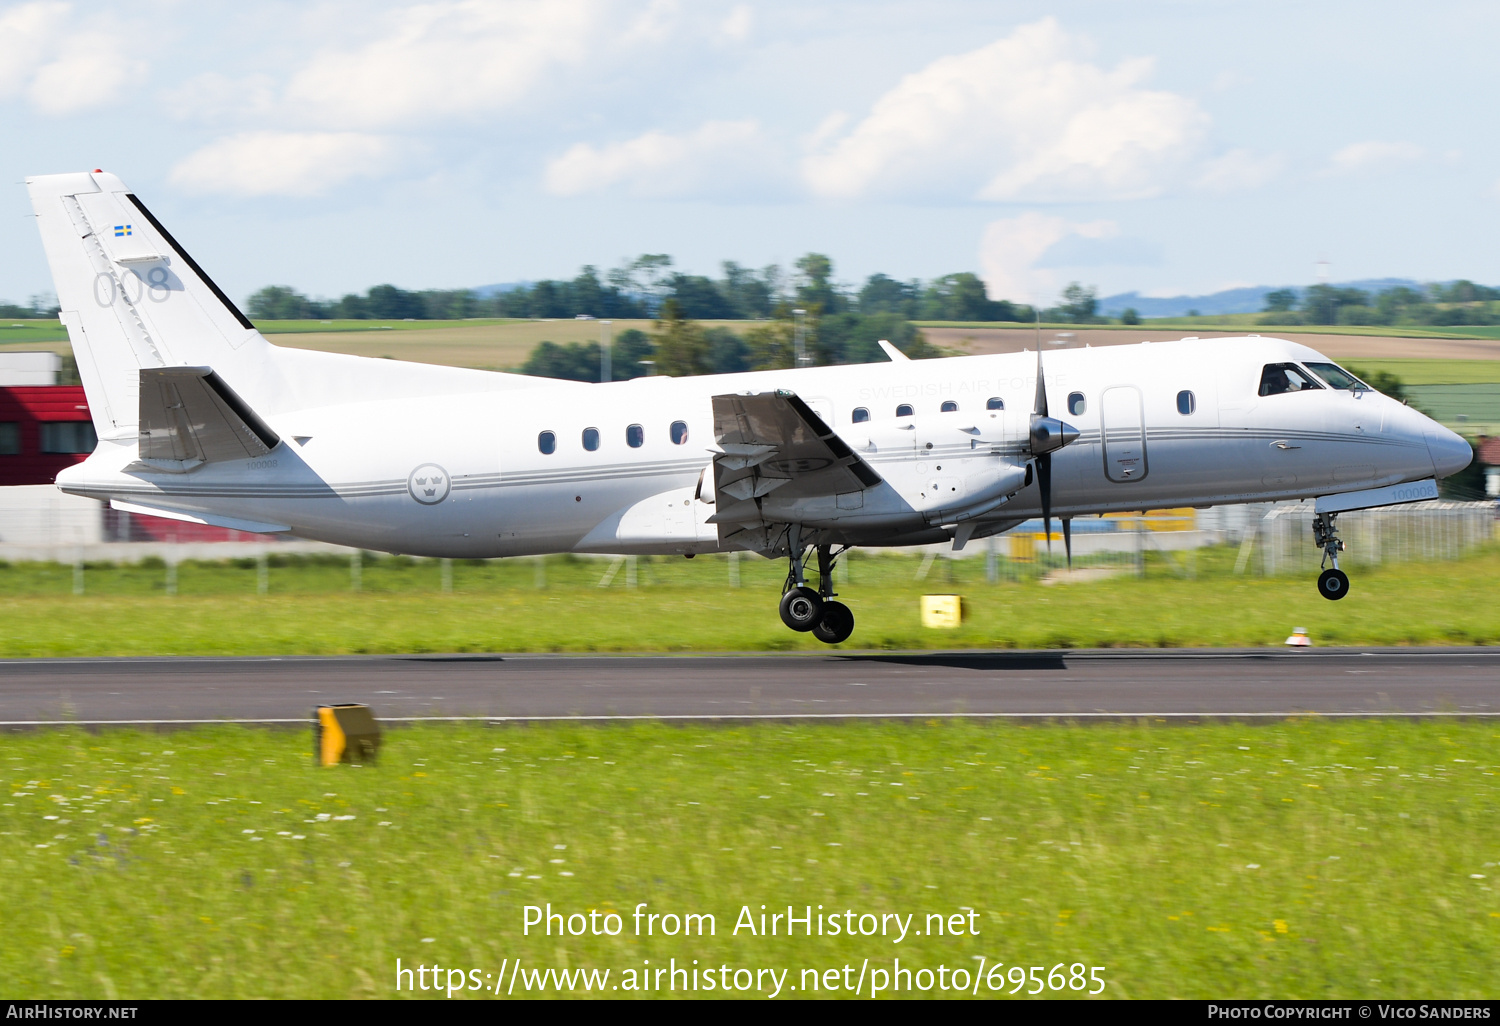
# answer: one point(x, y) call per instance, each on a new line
point(201, 419)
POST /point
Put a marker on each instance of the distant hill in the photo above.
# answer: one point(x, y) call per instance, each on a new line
point(1230, 301)
point(486, 291)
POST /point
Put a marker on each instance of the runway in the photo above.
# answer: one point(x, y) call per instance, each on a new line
point(1063, 684)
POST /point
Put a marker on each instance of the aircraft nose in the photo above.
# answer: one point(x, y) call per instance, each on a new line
point(1450, 453)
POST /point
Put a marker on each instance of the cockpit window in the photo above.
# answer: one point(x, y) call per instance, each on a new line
point(1285, 377)
point(1337, 377)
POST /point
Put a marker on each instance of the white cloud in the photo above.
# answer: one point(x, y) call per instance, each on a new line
point(213, 97)
point(1239, 170)
point(61, 67)
point(27, 33)
point(653, 25)
point(719, 158)
point(736, 26)
point(440, 60)
point(1021, 118)
point(1373, 155)
point(283, 163)
point(1010, 250)
point(90, 70)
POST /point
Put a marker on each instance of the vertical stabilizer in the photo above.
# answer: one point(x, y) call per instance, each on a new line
point(131, 298)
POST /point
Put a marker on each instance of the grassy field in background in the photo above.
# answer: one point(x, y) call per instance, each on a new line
point(685, 605)
point(1245, 322)
point(43, 330)
point(1298, 860)
point(1433, 372)
point(491, 345)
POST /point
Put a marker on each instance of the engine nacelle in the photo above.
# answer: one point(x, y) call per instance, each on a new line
point(946, 466)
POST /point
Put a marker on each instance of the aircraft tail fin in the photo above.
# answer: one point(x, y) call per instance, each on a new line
point(132, 299)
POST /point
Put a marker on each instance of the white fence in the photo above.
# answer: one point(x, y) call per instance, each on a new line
point(39, 523)
point(1395, 534)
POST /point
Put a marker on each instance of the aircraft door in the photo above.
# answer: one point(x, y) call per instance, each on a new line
point(1122, 428)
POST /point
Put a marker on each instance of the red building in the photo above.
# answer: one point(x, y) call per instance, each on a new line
point(45, 428)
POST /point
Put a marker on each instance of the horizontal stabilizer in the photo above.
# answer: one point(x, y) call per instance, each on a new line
point(189, 416)
point(209, 519)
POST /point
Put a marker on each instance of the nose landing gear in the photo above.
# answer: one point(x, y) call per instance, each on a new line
point(804, 609)
point(1333, 583)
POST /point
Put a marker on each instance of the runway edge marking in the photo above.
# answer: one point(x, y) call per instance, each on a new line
point(793, 716)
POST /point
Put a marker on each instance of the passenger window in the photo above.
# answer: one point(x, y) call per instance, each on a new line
point(860, 415)
point(1077, 403)
point(1186, 402)
point(1277, 378)
point(904, 410)
point(547, 442)
point(10, 439)
point(591, 439)
point(949, 406)
point(635, 436)
point(995, 403)
point(679, 432)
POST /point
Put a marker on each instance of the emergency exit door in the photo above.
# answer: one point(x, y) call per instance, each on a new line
point(1122, 424)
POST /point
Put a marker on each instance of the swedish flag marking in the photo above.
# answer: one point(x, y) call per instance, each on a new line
point(122, 230)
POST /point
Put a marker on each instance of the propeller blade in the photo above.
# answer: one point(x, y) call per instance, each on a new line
point(1067, 523)
point(1039, 408)
point(1044, 486)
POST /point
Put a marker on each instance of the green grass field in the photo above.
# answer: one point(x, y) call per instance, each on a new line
point(1433, 372)
point(1297, 860)
point(1249, 323)
point(681, 605)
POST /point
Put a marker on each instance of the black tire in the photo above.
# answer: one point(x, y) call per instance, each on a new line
point(801, 609)
point(1333, 584)
point(836, 625)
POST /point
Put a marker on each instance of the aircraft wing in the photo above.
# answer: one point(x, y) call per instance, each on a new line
point(773, 441)
point(189, 416)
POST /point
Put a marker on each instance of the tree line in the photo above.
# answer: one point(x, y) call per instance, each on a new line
point(641, 287)
point(1453, 303)
point(680, 345)
point(44, 305)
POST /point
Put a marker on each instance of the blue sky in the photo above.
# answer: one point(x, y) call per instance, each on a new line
point(1167, 146)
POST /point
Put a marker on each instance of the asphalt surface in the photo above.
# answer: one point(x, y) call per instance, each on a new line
point(1082, 684)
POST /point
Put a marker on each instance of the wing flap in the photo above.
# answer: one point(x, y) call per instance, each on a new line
point(773, 441)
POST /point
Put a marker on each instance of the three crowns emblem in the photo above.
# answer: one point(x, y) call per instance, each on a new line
point(428, 484)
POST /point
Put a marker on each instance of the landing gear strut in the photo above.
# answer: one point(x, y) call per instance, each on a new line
point(1333, 583)
point(805, 609)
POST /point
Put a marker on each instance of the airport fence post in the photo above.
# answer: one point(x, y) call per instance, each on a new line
point(540, 579)
point(172, 575)
point(356, 570)
point(734, 568)
point(630, 578)
point(991, 560)
point(841, 568)
point(262, 573)
point(78, 575)
point(447, 575)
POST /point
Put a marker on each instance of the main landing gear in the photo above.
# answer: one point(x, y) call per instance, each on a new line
point(815, 611)
point(1333, 583)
